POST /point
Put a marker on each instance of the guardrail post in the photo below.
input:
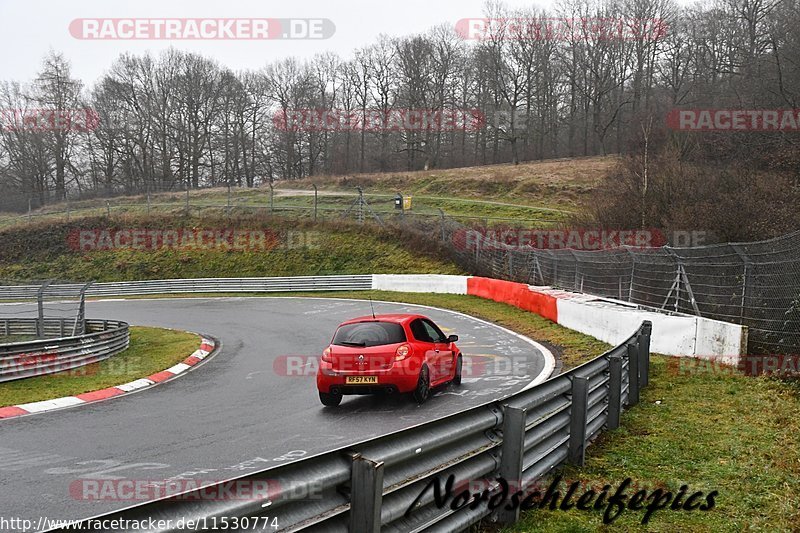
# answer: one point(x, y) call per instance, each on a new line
point(644, 355)
point(366, 495)
point(511, 458)
point(633, 373)
point(7, 327)
point(614, 391)
point(61, 327)
point(577, 425)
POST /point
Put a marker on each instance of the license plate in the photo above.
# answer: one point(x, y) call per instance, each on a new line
point(361, 380)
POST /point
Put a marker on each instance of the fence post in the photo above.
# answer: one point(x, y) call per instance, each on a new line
point(577, 271)
point(148, 203)
point(577, 424)
point(271, 197)
point(555, 268)
point(644, 353)
point(108, 209)
point(80, 318)
point(633, 374)
point(633, 275)
point(614, 391)
point(746, 278)
point(40, 309)
point(366, 495)
point(441, 219)
point(315, 201)
point(511, 459)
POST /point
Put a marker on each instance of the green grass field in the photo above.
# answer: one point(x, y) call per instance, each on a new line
point(151, 350)
point(299, 249)
point(732, 433)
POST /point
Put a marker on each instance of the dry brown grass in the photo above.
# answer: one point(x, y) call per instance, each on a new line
point(558, 182)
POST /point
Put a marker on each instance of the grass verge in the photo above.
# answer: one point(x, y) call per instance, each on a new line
point(151, 350)
point(711, 431)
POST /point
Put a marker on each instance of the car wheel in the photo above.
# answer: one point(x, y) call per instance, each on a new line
point(457, 376)
point(423, 389)
point(330, 400)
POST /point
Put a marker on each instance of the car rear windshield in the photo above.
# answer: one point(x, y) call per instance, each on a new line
point(369, 334)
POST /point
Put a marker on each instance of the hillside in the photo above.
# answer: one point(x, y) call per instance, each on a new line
point(541, 193)
point(555, 183)
point(80, 250)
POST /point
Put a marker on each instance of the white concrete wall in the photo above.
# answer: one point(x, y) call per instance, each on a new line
point(672, 335)
point(605, 319)
point(716, 338)
point(436, 283)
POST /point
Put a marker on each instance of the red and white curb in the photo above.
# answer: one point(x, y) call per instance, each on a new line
point(206, 347)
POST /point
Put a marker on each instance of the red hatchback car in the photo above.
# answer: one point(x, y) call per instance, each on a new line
point(395, 353)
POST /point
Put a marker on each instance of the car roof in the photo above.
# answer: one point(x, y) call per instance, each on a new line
point(397, 318)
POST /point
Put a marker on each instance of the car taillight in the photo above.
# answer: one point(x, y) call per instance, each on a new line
point(326, 355)
point(402, 352)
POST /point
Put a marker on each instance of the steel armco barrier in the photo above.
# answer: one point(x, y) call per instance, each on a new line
point(200, 285)
point(103, 338)
point(380, 484)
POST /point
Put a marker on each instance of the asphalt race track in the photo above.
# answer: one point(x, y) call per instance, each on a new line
point(238, 411)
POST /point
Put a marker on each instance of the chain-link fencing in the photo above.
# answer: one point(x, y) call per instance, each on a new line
point(756, 284)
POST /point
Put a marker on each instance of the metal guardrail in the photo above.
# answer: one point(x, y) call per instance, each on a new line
point(199, 285)
point(384, 484)
point(101, 340)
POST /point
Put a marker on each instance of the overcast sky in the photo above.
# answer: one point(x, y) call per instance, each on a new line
point(29, 28)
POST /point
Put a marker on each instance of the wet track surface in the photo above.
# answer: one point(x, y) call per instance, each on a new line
point(239, 411)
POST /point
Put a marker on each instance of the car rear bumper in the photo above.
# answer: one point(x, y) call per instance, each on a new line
point(363, 389)
point(401, 378)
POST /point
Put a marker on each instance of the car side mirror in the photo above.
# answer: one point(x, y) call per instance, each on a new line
point(452, 338)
